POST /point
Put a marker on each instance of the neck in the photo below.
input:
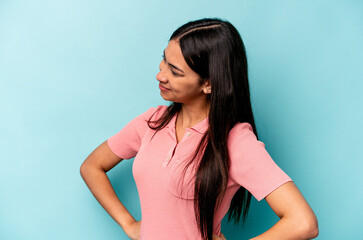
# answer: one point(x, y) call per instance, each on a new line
point(190, 115)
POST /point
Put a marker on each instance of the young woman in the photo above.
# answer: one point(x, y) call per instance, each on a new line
point(199, 157)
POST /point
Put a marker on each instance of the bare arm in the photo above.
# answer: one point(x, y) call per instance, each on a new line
point(93, 171)
point(297, 219)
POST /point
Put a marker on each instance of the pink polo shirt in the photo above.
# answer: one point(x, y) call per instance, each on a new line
point(167, 211)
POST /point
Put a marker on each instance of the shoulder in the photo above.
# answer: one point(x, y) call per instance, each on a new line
point(242, 138)
point(154, 112)
point(241, 130)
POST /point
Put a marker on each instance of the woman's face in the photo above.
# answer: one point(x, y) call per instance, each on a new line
point(178, 82)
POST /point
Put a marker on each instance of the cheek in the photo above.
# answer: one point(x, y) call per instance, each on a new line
point(186, 90)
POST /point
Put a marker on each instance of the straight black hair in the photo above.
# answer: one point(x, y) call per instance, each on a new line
point(214, 49)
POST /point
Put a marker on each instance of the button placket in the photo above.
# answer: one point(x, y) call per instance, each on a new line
point(169, 156)
point(167, 161)
point(173, 149)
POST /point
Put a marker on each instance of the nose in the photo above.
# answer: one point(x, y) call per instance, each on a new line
point(161, 75)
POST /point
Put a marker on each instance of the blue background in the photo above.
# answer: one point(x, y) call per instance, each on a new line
point(73, 73)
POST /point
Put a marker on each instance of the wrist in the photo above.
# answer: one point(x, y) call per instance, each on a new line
point(125, 221)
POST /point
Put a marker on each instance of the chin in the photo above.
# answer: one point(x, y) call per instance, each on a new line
point(166, 99)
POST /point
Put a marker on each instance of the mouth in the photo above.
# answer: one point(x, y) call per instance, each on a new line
point(163, 88)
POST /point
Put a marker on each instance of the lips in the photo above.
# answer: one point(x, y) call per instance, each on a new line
point(163, 88)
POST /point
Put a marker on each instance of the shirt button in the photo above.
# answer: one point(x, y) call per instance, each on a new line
point(188, 134)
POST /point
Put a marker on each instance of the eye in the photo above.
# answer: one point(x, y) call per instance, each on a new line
point(174, 73)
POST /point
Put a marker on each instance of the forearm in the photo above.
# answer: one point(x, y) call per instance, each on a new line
point(287, 229)
point(101, 188)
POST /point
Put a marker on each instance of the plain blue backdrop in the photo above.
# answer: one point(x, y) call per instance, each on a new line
point(73, 73)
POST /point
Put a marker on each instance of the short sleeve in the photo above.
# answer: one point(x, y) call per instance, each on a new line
point(126, 143)
point(251, 165)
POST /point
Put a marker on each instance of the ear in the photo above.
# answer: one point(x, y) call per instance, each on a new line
point(207, 87)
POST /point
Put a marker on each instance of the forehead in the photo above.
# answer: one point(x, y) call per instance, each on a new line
point(174, 55)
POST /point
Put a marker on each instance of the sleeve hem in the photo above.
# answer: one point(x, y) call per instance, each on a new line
point(274, 187)
point(113, 150)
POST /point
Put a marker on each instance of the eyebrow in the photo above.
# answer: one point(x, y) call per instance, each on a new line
point(171, 65)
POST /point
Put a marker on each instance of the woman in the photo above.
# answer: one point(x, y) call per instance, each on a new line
point(199, 157)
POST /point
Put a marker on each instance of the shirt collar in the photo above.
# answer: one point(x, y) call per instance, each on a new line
point(200, 127)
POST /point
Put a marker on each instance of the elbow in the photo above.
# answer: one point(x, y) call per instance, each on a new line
point(315, 233)
point(88, 169)
point(84, 169)
point(310, 229)
point(312, 232)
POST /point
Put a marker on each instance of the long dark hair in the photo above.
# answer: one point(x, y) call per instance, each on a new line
point(213, 48)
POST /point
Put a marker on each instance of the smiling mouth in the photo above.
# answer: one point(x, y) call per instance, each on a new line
point(163, 88)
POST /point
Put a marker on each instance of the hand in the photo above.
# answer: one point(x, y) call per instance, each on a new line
point(133, 230)
point(220, 237)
